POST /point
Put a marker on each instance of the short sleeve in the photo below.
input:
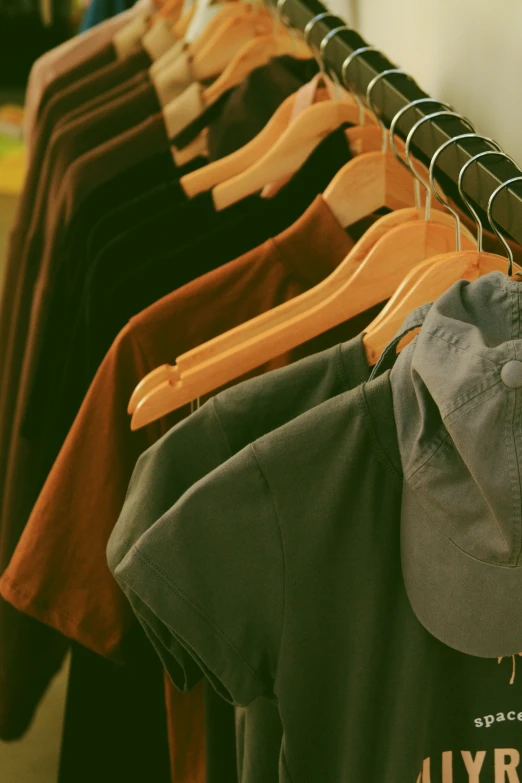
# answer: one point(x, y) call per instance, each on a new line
point(58, 573)
point(210, 574)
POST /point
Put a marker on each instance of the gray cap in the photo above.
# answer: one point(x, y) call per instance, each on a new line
point(457, 391)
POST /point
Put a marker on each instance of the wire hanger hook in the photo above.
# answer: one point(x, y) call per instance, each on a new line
point(308, 29)
point(418, 179)
point(328, 37)
point(344, 71)
point(279, 16)
point(469, 205)
point(493, 223)
point(433, 184)
point(409, 140)
point(322, 51)
point(369, 91)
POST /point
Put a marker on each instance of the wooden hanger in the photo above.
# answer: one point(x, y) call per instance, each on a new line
point(282, 328)
point(339, 300)
point(230, 10)
point(415, 240)
point(373, 178)
point(422, 239)
point(253, 55)
point(265, 47)
point(372, 239)
point(289, 152)
point(330, 303)
point(171, 10)
point(441, 273)
point(408, 283)
point(192, 150)
point(220, 170)
point(208, 351)
point(227, 41)
point(203, 179)
point(431, 281)
point(181, 25)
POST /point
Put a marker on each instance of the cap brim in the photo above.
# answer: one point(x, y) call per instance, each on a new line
point(469, 605)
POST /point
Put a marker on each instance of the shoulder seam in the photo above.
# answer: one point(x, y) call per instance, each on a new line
point(281, 538)
point(381, 452)
point(220, 424)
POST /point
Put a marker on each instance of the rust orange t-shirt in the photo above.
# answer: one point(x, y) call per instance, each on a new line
point(58, 573)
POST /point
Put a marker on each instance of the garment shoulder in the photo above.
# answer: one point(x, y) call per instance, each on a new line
point(255, 407)
point(304, 454)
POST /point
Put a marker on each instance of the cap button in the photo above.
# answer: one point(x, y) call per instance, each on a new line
point(511, 374)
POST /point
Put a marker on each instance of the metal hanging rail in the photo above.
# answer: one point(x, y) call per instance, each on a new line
point(394, 92)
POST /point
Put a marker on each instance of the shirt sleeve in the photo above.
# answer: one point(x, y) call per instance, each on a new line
point(210, 573)
point(163, 473)
point(58, 573)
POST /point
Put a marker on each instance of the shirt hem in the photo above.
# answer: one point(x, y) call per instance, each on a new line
point(58, 619)
point(196, 632)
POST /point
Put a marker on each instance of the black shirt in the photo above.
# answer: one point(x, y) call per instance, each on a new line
point(129, 198)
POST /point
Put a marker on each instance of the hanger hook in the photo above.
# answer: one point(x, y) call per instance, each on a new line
point(331, 34)
point(344, 71)
point(369, 91)
point(418, 180)
point(322, 50)
point(279, 15)
point(409, 139)
point(470, 207)
point(493, 223)
point(308, 29)
point(433, 184)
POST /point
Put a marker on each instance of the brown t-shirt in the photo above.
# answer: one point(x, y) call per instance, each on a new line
point(58, 574)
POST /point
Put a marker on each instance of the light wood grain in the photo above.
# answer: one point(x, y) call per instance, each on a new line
point(289, 152)
point(227, 41)
point(335, 303)
point(253, 55)
point(442, 272)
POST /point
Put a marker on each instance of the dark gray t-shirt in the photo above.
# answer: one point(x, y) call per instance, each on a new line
point(279, 575)
point(207, 439)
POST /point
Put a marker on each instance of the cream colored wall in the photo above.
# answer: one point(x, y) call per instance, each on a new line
point(465, 52)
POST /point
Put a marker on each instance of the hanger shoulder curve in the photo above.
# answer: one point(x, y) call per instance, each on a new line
point(254, 54)
point(271, 319)
point(220, 170)
point(289, 152)
point(337, 303)
point(429, 281)
point(227, 12)
point(227, 341)
point(227, 42)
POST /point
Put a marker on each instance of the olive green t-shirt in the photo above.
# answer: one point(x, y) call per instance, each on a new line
point(202, 442)
point(279, 575)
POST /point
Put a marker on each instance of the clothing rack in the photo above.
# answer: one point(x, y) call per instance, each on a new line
point(395, 91)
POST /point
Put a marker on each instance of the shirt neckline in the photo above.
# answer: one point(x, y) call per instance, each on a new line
point(314, 245)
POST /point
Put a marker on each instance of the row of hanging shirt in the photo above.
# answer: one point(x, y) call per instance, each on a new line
point(202, 207)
